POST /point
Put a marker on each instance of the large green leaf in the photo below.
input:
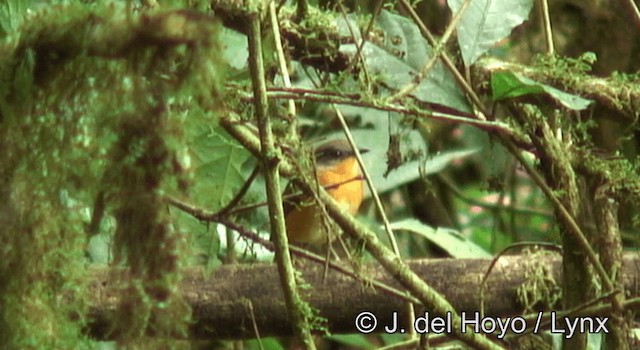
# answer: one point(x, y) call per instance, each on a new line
point(219, 173)
point(486, 22)
point(399, 58)
point(447, 239)
point(409, 171)
point(509, 85)
point(218, 161)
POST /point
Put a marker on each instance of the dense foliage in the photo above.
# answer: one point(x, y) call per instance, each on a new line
point(480, 137)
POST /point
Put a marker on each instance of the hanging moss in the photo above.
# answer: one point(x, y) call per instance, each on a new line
point(91, 106)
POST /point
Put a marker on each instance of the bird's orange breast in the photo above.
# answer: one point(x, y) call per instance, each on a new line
point(348, 188)
point(343, 183)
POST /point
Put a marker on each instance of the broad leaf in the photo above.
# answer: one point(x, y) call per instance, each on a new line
point(509, 85)
point(486, 22)
point(447, 239)
point(396, 61)
point(218, 161)
point(409, 171)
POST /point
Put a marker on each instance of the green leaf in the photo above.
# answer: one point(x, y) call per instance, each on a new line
point(399, 58)
point(99, 249)
point(236, 51)
point(448, 240)
point(595, 341)
point(218, 162)
point(268, 343)
point(357, 341)
point(12, 14)
point(485, 23)
point(376, 140)
point(510, 85)
point(409, 171)
point(489, 239)
point(393, 338)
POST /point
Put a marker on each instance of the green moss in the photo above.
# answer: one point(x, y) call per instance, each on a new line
point(88, 112)
point(540, 289)
point(561, 64)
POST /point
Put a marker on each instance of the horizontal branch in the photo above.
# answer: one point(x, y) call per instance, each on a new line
point(109, 31)
point(228, 301)
point(614, 93)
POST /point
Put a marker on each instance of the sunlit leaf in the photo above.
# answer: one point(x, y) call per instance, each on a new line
point(236, 49)
point(486, 22)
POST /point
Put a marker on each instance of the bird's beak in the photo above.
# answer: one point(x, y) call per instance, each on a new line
point(363, 150)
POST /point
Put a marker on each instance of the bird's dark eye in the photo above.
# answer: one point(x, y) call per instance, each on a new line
point(331, 154)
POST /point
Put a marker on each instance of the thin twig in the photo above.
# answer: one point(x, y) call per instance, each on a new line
point(282, 60)
point(472, 201)
point(495, 259)
point(437, 51)
point(358, 56)
point(372, 188)
point(462, 82)
point(203, 215)
point(255, 326)
point(635, 12)
point(241, 193)
point(376, 199)
point(312, 95)
point(546, 20)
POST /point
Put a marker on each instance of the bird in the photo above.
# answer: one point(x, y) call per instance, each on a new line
point(338, 171)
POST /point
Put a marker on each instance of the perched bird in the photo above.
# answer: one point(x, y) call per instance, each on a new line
point(338, 171)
